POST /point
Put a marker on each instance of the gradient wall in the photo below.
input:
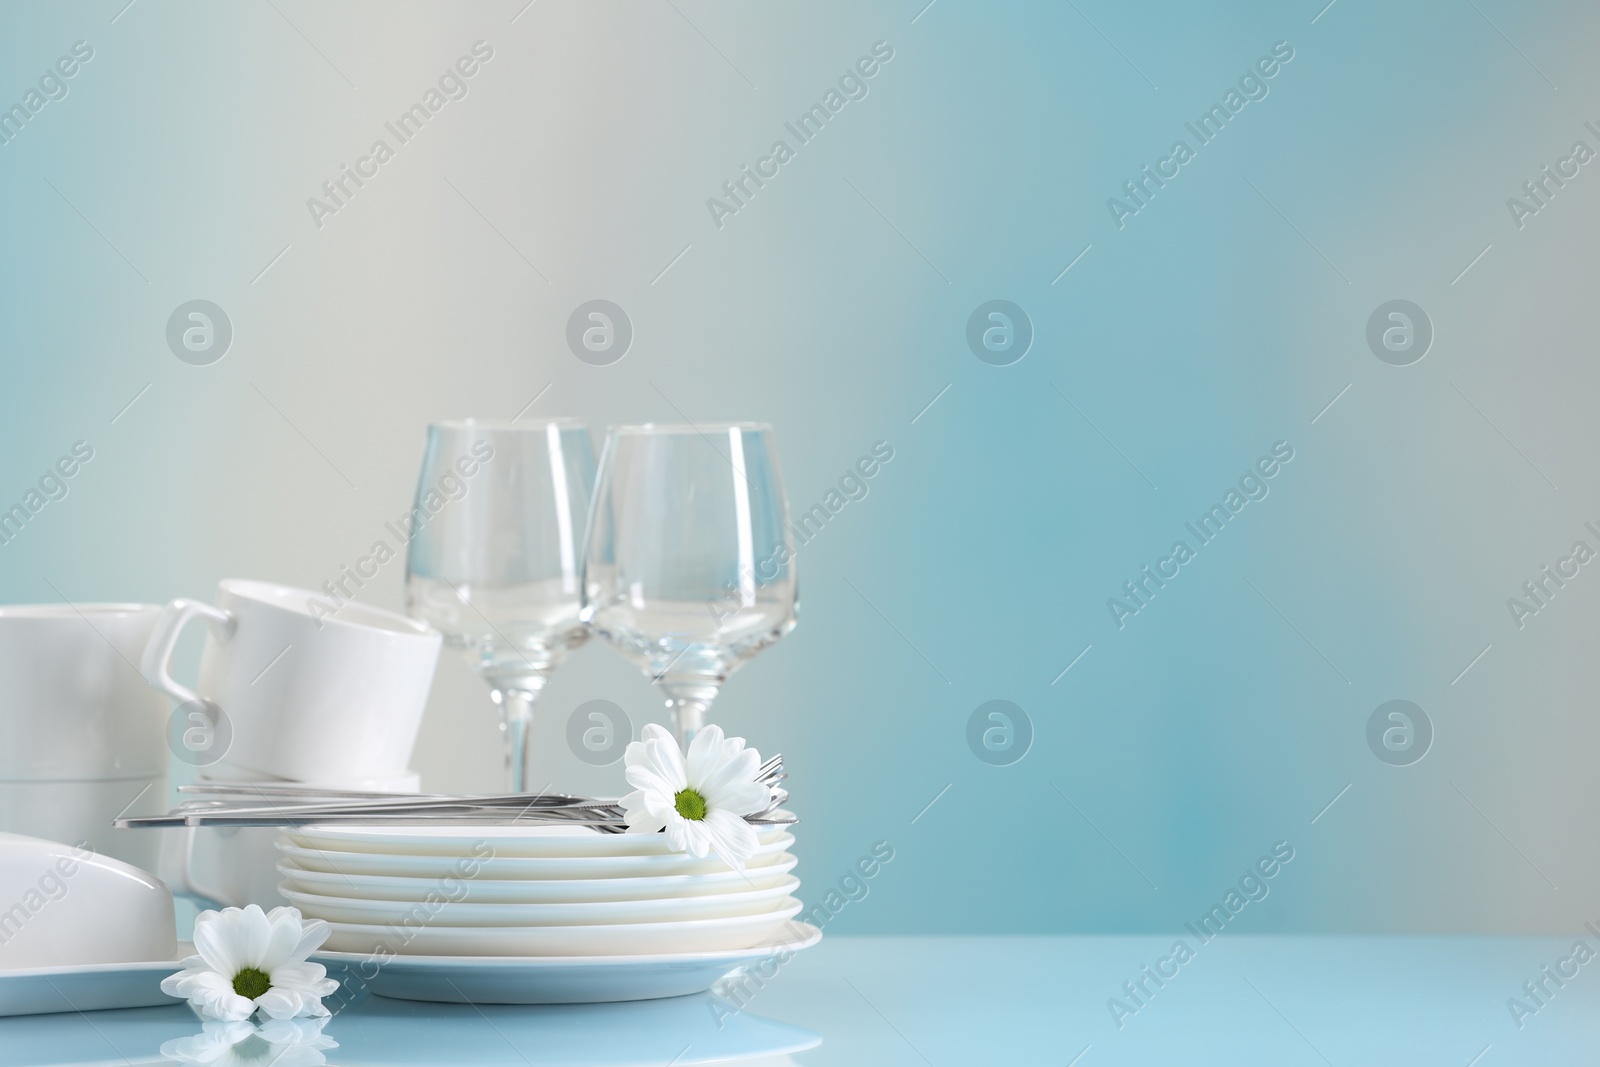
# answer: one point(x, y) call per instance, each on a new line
point(1173, 346)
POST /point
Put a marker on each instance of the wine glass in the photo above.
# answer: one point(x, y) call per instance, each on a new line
point(494, 558)
point(689, 567)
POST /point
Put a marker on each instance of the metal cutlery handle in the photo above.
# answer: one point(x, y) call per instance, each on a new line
point(598, 819)
point(274, 804)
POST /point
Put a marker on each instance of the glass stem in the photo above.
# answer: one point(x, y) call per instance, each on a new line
point(688, 700)
point(515, 696)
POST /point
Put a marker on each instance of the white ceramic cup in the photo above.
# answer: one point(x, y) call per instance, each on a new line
point(80, 813)
point(305, 695)
point(81, 734)
point(72, 704)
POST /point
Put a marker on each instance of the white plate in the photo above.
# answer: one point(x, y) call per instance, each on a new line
point(442, 839)
point(587, 913)
point(537, 891)
point(498, 867)
point(554, 979)
point(87, 987)
point(621, 939)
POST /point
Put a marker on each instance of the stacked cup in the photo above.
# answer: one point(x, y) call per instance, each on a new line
point(80, 733)
point(294, 689)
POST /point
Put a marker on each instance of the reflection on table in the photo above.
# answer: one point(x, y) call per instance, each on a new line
point(377, 1032)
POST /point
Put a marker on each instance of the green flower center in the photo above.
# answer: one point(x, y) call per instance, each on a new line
point(251, 982)
point(690, 804)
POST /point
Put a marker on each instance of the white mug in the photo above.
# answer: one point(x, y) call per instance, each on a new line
point(72, 704)
point(304, 695)
point(80, 813)
point(81, 734)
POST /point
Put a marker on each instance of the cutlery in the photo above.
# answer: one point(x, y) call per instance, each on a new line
point(270, 804)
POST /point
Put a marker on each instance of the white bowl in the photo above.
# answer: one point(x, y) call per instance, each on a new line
point(586, 913)
point(695, 935)
point(503, 867)
point(535, 891)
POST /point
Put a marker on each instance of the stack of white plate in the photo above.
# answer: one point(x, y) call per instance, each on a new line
point(545, 901)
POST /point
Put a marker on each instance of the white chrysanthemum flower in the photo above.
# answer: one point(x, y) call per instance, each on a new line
point(700, 802)
point(276, 1043)
point(249, 960)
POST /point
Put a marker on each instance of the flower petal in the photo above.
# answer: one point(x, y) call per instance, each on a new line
point(736, 771)
point(283, 938)
point(313, 932)
point(739, 765)
point(656, 752)
point(716, 762)
point(705, 753)
point(252, 934)
point(172, 983)
point(667, 760)
point(697, 838)
point(654, 731)
point(740, 798)
point(645, 823)
point(676, 828)
point(647, 779)
point(733, 839)
point(209, 994)
point(306, 978)
point(212, 941)
point(280, 1003)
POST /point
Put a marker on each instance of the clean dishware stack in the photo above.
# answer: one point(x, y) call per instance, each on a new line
point(447, 889)
point(675, 549)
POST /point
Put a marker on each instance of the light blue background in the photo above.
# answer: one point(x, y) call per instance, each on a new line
point(1221, 319)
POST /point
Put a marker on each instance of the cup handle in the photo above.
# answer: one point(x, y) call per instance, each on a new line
point(156, 663)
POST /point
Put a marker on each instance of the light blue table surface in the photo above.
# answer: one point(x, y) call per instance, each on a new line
point(922, 1000)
